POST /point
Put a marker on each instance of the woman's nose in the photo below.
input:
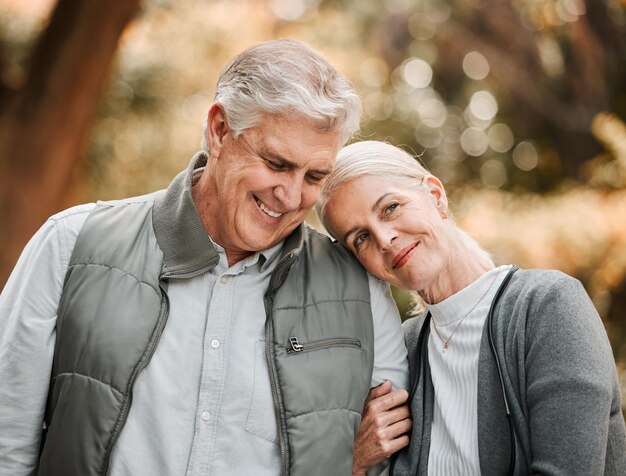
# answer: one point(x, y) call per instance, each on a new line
point(385, 238)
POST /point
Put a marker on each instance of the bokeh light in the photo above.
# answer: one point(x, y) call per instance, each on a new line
point(417, 73)
point(525, 156)
point(483, 105)
point(475, 65)
point(474, 141)
point(551, 55)
point(500, 138)
point(493, 173)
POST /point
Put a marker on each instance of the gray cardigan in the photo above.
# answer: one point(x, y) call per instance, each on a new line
point(559, 377)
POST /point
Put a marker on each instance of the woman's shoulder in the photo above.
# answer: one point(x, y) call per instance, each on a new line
point(542, 276)
point(544, 283)
point(548, 302)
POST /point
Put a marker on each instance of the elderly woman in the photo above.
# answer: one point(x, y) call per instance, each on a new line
point(511, 369)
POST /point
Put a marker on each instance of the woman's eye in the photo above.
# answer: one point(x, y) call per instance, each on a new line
point(359, 239)
point(390, 208)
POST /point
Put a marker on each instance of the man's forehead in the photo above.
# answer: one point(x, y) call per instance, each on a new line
point(295, 142)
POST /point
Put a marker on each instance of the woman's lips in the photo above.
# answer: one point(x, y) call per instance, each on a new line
point(403, 256)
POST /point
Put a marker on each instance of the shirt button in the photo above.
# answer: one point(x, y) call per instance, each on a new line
point(206, 415)
point(215, 343)
point(224, 279)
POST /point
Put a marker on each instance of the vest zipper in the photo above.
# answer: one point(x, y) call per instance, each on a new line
point(144, 363)
point(296, 347)
point(269, 356)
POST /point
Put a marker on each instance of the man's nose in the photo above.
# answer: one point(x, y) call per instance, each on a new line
point(289, 192)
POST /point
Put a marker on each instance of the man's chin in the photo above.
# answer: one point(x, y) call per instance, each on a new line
point(260, 244)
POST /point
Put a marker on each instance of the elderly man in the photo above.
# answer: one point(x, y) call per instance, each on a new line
point(203, 329)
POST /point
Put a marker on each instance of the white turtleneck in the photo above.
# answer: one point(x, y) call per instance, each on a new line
point(454, 433)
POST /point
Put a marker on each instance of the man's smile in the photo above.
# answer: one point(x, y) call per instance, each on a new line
point(266, 209)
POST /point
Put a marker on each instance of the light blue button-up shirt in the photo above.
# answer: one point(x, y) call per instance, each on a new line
point(203, 405)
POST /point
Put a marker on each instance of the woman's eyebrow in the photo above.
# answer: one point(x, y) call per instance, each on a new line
point(380, 199)
point(374, 207)
point(349, 232)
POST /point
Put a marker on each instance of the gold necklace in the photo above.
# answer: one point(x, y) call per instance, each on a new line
point(446, 342)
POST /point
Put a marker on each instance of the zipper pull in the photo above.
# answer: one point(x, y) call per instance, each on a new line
point(295, 345)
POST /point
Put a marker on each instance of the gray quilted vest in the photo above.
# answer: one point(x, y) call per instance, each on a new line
point(114, 307)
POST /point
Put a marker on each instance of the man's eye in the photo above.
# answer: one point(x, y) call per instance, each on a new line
point(272, 164)
point(313, 178)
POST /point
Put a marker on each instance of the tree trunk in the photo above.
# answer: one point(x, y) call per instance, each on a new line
point(44, 123)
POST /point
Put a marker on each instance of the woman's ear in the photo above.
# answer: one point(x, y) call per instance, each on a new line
point(436, 190)
point(216, 130)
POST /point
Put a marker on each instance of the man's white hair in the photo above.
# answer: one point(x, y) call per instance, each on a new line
point(286, 77)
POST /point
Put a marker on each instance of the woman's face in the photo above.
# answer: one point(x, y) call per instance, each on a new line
point(398, 233)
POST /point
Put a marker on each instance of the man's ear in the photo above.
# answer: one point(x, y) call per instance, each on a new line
point(216, 130)
point(438, 193)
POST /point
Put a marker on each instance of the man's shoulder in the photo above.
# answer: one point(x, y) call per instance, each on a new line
point(68, 222)
point(321, 248)
point(327, 256)
point(72, 219)
point(325, 243)
point(78, 213)
point(73, 213)
point(148, 198)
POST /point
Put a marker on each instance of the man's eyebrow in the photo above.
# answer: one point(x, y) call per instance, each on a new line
point(291, 165)
point(323, 172)
point(277, 158)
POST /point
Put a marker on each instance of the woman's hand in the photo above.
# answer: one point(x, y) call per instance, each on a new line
point(383, 428)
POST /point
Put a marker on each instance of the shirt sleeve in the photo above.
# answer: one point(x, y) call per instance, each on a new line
point(28, 312)
point(390, 356)
point(571, 384)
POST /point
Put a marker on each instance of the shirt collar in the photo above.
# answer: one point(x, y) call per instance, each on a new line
point(187, 249)
point(465, 301)
point(263, 259)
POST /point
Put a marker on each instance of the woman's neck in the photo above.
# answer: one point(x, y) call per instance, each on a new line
point(462, 268)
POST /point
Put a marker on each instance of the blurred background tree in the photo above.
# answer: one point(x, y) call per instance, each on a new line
point(518, 105)
point(47, 104)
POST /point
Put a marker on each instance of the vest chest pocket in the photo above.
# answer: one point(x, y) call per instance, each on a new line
point(296, 347)
point(261, 420)
point(326, 373)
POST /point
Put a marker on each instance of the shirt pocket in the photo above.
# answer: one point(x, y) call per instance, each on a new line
point(261, 419)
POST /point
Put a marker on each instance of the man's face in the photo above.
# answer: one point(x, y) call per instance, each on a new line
point(260, 185)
